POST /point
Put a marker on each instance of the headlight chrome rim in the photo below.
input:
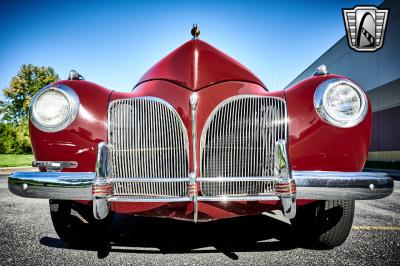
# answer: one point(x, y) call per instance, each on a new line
point(319, 98)
point(73, 101)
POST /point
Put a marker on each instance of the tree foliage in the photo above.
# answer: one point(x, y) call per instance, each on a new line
point(14, 131)
point(15, 139)
point(22, 87)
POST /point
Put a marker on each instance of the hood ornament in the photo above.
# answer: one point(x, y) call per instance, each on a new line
point(195, 32)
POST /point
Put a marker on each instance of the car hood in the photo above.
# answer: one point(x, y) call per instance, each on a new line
point(196, 65)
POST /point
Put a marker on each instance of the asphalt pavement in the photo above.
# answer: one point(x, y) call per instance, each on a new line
point(28, 238)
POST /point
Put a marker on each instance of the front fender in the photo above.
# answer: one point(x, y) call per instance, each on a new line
point(316, 145)
point(78, 142)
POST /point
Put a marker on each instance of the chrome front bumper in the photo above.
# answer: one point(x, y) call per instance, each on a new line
point(288, 185)
point(52, 185)
point(313, 185)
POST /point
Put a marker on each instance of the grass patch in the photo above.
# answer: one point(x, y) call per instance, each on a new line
point(14, 160)
point(383, 165)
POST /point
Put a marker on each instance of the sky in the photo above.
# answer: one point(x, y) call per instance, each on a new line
point(113, 43)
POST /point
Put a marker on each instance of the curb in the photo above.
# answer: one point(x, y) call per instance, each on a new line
point(9, 170)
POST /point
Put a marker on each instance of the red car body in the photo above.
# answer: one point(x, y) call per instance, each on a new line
point(313, 144)
point(201, 138)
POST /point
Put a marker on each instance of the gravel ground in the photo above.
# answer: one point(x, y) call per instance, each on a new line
point(28, 238)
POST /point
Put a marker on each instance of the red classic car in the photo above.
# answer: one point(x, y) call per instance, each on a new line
point(201, 138)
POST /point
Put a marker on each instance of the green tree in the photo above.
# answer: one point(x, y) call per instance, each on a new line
point(7, 138)
point(22, 87)
point(14, 131)
point(15, 139)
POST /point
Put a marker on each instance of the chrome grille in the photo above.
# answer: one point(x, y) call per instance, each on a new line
point(238, 140)
point(147, 139)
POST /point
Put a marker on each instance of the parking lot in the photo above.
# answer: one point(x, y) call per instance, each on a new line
point(27, 237)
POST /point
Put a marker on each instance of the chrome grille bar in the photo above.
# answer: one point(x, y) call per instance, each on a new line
point(238, 140)
point(147, 139)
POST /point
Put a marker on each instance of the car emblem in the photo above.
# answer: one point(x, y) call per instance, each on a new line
point(365, 27)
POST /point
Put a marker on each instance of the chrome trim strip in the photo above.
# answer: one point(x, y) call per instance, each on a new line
point(194, 100)
point(52, 185)
point(240, 198)
point(239, 179)
point(199, 198)
point(320, 185)
point(74, 104)
point(148, 199)
point(151, 180)
point(55, 166)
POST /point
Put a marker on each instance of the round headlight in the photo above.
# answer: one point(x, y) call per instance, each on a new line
point(54, 108)
point(340, 102)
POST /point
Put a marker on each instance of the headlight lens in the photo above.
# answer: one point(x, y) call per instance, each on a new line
point(51, 108)
point(340, 102)
point(54, 107)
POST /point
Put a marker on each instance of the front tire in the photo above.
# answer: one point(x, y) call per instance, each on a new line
point(324, 224)
point(75, 224)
